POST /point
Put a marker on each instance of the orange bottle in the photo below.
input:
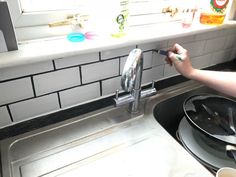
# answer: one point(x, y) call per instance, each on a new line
point(214, 12)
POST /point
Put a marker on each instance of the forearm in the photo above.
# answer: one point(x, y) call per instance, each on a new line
point(224, 82)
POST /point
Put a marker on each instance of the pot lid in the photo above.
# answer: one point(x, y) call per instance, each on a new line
point(213, 115)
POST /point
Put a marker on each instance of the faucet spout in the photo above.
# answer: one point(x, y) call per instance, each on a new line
point(131, 80)
point(132, 72)
point(132, 77)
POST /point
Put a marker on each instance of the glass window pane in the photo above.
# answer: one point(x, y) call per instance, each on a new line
point(49, 5)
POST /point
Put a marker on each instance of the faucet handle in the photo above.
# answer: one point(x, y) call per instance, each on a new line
point(117, 94)
point(153, 84)
point(123, 99)
point(150, 91)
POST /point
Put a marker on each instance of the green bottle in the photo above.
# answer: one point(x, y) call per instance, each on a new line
point(120, 20)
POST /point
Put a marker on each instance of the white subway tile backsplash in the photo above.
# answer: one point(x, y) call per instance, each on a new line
point(220, 57)
point(34, 107)
point(4, 117)
point(209, 35)
point(170, 71)
point(213, 45)
point(195, 48)
point(24, 70)
point(229, 31)
point(147, 76)
point(101, 70)
point(158, 59)
point(122, 64)
point(80, 94)
point(15, 90)
point(147, 59)
point(158, 72)
point(230, 41)
point(76, 60)
point(57, 80)
point(155, 45)
point(109, 86)
point(201, 61)
point(181, 40)
point(116, 52)
point(233, 53)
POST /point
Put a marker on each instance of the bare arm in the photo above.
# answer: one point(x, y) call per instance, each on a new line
point(224, 82)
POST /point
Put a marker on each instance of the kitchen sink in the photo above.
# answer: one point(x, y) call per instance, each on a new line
point(108, 142)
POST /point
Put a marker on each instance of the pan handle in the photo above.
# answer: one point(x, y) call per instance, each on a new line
point(231, 152)
point(231, 118)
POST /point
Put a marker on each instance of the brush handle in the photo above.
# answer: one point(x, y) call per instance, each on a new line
point(165, 53)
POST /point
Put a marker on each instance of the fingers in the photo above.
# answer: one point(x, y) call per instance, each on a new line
point(178, 49)
point(168, 60)
point(177, 53)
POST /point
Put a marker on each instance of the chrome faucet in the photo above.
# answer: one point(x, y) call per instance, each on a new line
point(131, 80)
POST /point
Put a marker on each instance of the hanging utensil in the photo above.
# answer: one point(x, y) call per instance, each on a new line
point(231, 119)
point(231, 152)
point(219, 121)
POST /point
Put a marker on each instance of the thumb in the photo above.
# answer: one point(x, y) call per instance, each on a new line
point(172, 56)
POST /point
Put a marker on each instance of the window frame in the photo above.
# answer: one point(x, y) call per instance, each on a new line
point(21, 19)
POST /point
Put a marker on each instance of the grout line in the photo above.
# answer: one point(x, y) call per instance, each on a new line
point(100, 56)
point(163, 74)
point(119, 65)
point(59, 100)
point(9, 112)
point(33, 86)
point(80, 74)
point(54, 65)
point(100, 83)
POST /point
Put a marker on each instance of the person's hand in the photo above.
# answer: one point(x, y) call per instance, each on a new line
point(178, 56)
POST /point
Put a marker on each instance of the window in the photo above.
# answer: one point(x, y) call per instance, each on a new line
point(45, 11)
point(39, 13)
point(30, 6)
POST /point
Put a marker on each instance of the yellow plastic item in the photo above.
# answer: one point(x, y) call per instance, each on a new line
point(213, 12)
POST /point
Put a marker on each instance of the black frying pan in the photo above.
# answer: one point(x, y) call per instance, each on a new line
point(214, 116)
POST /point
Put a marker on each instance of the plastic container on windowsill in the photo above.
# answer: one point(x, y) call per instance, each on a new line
point(213, 12)
point(188, 17)
point(187, 12)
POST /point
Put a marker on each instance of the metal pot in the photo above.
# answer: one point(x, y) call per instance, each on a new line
point(214, 117)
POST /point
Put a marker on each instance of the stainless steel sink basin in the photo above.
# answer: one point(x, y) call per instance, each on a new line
point(55, 149)
point(106, 142)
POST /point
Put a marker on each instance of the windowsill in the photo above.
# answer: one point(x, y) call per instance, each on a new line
point(42, 50)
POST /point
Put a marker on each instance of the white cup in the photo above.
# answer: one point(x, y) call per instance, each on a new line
point(226, 172)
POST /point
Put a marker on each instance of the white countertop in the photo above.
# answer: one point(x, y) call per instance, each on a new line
point(48, 49)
